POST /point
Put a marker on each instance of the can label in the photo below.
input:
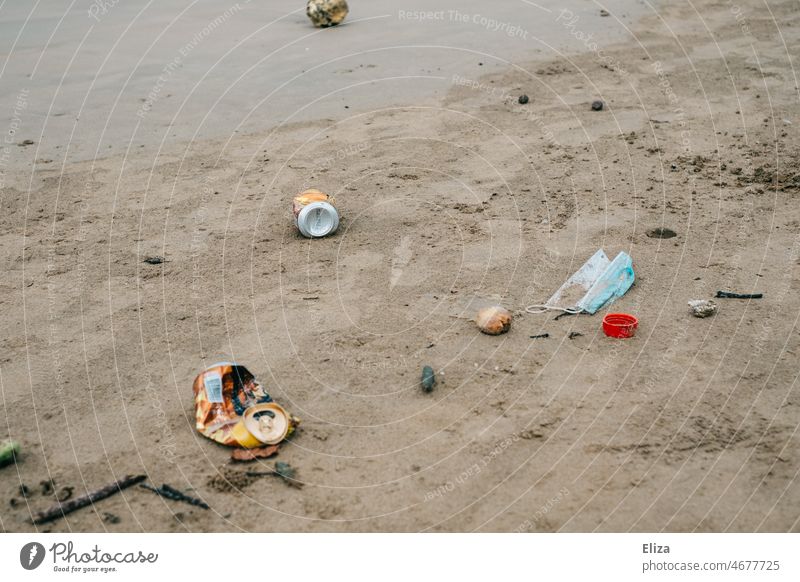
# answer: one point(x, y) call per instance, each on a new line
point(212, 382)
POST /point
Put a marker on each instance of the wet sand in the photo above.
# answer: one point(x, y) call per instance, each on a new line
point(450, 198)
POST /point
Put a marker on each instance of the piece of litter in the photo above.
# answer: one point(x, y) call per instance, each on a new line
point(9, 451)
point(728, 295)
point(598, 283)
point(247, 455)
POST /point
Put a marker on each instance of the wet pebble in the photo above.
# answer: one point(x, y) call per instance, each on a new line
point(428, 379)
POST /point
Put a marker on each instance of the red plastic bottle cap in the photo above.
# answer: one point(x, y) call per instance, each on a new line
point(620, 325)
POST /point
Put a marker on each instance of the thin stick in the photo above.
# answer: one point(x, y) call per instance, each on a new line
point(169, 492)
point(261, 473)
point(565, 314)
point(61, 509)
point(282, 470)
point(184, 497)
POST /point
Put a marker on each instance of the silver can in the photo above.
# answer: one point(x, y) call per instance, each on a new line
point(315, 214)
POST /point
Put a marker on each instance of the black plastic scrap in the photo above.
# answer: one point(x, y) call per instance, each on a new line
point(728, 295)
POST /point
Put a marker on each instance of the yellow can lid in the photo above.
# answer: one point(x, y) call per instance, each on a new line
point(269, 422)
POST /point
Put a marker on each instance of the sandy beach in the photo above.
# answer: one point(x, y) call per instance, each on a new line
point(158, 134)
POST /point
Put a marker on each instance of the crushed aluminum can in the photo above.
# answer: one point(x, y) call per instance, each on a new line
point(228, 404)
point(315, 214)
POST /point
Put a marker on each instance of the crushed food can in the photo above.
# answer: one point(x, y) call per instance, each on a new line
point(315, 214)
point(233, 409)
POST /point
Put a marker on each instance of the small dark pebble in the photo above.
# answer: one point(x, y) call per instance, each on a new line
point(597, 105)
point(26, 142)
point(523, 99)
point(48, 486)
point(155, 260)
point(110, 518)
point(64, 493)
point(540, 336)
point(661, 233)
point(24, 491)
point(428, 379)
point(574, 334)
point(604, 12)
point(14, 502)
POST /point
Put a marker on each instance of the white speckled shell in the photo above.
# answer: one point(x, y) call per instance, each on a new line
point(703, 307)
point(325, 13)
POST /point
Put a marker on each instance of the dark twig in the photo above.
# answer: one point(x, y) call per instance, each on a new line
point(574, 334)
point(728, 295)
point(169, 492)
point(565, 314)
point(61, 509)
point(282, 470)
point(540, 336)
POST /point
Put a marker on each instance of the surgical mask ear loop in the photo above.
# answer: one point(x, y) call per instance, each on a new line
point(545, 308)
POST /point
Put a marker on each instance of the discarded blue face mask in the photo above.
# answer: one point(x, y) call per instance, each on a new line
point(612, 284)
point(597, 283)
point(576, 287)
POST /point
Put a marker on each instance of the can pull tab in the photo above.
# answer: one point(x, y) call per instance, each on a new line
point(266, 421)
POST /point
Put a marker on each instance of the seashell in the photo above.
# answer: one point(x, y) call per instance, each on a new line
point(493, 320)
point(703, 307)
point(324, 13)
